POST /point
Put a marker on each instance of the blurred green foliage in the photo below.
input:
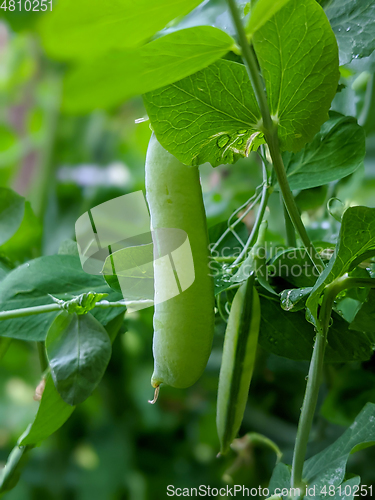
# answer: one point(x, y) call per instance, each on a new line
point(116, 446)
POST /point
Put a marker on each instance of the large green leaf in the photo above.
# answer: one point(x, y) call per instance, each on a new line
point(288, 334)
point(353, 22)
point(297, 52)
point(335, 152)
point(357, 236)
point(117, 76)
point(53, 412)
point(30, 285)
point(12, 208)
point(209, 116)
point(262, 11)
point(80, 29)
point(213, 114)
point(78, 351)
point(328, 466)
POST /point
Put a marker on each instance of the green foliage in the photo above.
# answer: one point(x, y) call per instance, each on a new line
point(335, 152)
point(290, 335)
point(357, 236)
point(193, 73)
point(53, 412)
point(32, 283)
point(117, 76)
point(364, 320)
point(12, 208)
point(24, 243)
point(208, 124)
point(353, 22)
point(297, 52)
point(78, 351)
point(81, 29)
point(262, 11)
point(328, 467)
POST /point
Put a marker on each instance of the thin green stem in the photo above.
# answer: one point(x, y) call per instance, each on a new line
point(251, 202)
point(289, 228)
point(316, 371)
point(269, 128)
point(30, 311)
point(266, 191)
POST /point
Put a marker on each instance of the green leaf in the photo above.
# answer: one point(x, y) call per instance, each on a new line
point(280, 478)
point(12, 209)
point(297, 52)
point(353, 22)
point(291, 336)
point(53, 412)
point(131, 271)
point(262, 11)
point(30, 285)
point(26, 241)
point(117, 76)
point(335, 152)
point(294, 266)
point(364, 320)
point(328, 466)
point(209, 116)
point(357, 236)
point(78, 351)
point(213, 115)
point(79, 29)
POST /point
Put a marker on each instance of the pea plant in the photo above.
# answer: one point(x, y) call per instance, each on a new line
point(262, 78)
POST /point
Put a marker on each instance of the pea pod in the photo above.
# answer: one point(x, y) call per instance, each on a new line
point(241, 338)
point(184, 324)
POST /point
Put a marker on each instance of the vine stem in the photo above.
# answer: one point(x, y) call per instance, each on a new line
point(316, 371)
point(31, 311)
point(269, 128)
point(266, 191)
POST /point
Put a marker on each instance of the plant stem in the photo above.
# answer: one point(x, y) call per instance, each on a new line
point(270, 133)
point(266, 191)
point(289, 228)
point(30, 311)
point(316, 371)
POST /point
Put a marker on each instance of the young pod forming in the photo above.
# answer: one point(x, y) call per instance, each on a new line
point(240, 343)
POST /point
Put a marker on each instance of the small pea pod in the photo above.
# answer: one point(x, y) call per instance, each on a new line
point(241, 338)
point(184, 324)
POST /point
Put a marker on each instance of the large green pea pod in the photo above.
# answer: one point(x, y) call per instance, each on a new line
point(184, 324)
point(240, 343)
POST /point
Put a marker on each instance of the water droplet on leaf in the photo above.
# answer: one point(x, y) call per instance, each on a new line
point(223, 141)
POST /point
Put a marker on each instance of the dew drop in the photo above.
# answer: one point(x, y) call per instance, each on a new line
point(239, 142)
point(242, 131)
point(223, 141)
point(348, 29)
